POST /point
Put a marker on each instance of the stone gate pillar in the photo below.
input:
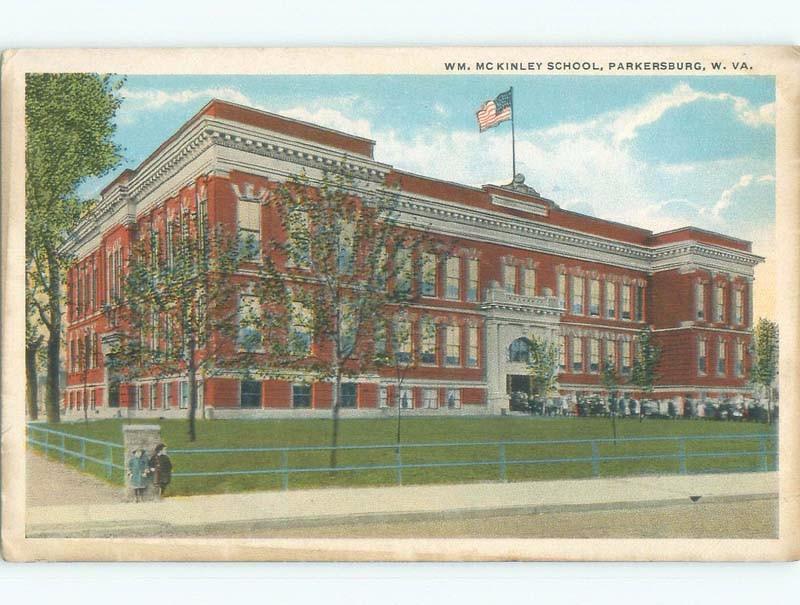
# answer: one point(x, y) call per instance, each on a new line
point(146, 437)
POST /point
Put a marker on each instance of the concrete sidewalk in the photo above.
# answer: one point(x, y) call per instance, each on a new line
point(196, 514)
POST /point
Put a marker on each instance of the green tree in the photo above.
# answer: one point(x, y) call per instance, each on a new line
point(178, 313)
point(543, 368)
point(645, 363)
point(344, 265)
point(765, 358)
point(69, 121)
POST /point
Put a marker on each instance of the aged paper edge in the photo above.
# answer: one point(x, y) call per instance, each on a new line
point(781, 62)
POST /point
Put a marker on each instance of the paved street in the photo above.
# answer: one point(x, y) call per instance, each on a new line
point(64, 502)
point(757, 518)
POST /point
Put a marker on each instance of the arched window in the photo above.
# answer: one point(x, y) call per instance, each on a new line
point(520, 350)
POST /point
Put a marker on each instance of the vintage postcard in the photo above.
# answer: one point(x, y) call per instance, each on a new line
point(400, 304)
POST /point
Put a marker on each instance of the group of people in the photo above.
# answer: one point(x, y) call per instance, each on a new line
point(156, 469)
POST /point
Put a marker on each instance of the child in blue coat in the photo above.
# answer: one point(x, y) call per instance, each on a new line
point(137, 473)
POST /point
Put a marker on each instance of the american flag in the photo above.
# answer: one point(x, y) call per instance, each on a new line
point(492, 113)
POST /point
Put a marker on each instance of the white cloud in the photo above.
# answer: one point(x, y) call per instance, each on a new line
point(152, 98)
point(726, 197)
point(331, 118)
point(623, 125)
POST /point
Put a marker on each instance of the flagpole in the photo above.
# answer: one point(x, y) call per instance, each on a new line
point(513, 142)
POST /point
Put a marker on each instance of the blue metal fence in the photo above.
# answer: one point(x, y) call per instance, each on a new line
point(763, 450)
point(66, 445)
point(502, 461)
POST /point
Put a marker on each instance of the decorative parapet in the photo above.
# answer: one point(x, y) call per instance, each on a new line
point(498, 298)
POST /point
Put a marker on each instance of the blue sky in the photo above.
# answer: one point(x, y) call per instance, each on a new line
point(656, 152)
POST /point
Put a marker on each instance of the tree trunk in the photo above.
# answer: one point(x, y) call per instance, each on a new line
point(31, 349)
point(192, 392)
point(53, 392)
point(335, 416)
point(769, 404)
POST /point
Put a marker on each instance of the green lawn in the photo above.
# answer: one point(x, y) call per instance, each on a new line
point(740, 454)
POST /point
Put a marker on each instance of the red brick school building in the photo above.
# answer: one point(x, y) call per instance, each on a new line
point(521, 266)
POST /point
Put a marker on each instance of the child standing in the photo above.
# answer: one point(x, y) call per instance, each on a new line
point(137, 473)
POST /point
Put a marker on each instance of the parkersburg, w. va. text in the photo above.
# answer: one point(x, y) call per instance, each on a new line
point(594, 66)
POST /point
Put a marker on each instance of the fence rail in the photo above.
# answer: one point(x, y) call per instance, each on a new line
point(502, 461)
point(591, 454)
point(88, 449)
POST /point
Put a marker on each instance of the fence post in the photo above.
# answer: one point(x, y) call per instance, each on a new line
point(595, 459)
point(762, 448)
point(285, 469)
point(63, 446)
point(503, 476)
point(399, 459)
point(83, 454)
point(46, 445)
point(110, 463)
point(682, 455)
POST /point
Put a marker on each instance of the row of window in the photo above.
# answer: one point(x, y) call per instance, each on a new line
point(579, 355)
point(162, 395)
point(75, 399)
point(605, 298)
point(721, 357)
point(718, 304)
point(84, 352)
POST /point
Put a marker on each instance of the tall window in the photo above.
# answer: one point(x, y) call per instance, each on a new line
point(429, 265)
point(428, 341)
point(299, 238)
point(153, 398)
point(529, 281)
point(627, 357)
point(562, 355)
point(562, 289)
point(719, 303)
point(401, 340)
point(722, 354)
point(510, 278)
point(638, 304)
point(453, 290)
point(453, 398)
point(740, 359)
point(379, 336)
point(170, 242)
point(611, 299)
point(611, 353)
point(347, 236)
point(577, 354)
point(453, 346)
point(702, 356)
point(594, 298)
point(472, 279)
point(594, 355)
point(403, 271)
point(348, 395)
point(406, 398)
point(184, 401)
point(738, 305)
point(202, 221)
point(430, 398)
point(301, 329)
point(472, 346)
point(248, 222)
point(383, 397)
point(250, 396)
point(700, 301)
point(249, 334)
point(301, 395)
point(166, 395)
point(625, 303)
point(577, 295)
